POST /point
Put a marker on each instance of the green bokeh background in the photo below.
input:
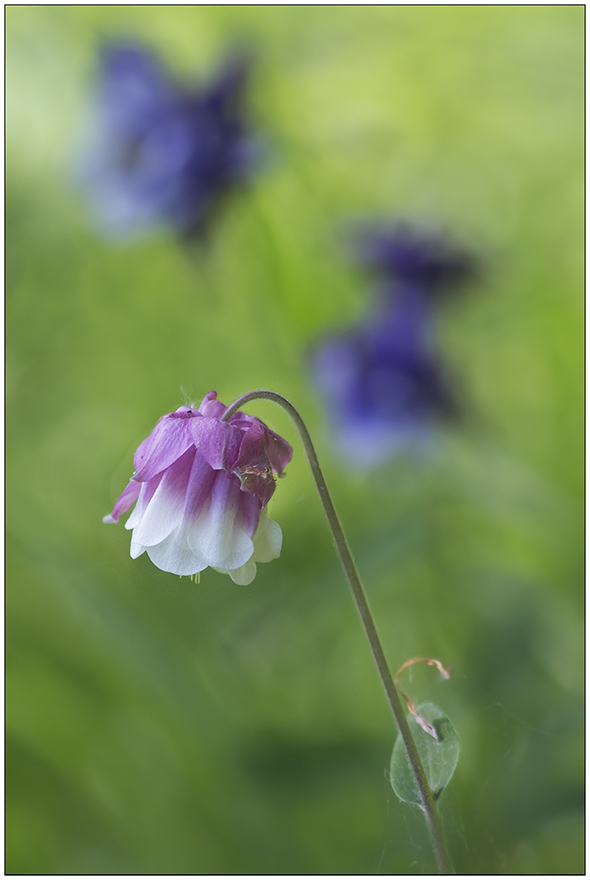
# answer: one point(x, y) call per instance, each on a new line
point(159, 726)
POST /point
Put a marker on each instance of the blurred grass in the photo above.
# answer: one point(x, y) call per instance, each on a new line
point(156, 726)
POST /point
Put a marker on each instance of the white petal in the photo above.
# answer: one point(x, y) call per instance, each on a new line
point(215, 534)
point(243, 575)
point(174, 555)
point(268, 540)
point(145, 495)
point(136, 549)
point(136, 514)
point(164, 511)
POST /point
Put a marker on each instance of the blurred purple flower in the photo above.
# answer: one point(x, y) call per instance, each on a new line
point(162, 153)
point(402, 255)
point(201, 487)
point(383, 382)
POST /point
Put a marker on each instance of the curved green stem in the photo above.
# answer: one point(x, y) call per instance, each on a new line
point(428, 803)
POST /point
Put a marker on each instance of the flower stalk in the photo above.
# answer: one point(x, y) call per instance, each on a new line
point(428, 803)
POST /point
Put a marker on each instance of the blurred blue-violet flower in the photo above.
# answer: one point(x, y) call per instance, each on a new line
point(162, 153)
point(404, 256)
point(201, 487)
point(383, 381)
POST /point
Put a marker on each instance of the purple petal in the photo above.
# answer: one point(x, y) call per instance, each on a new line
point(126, 499)
point(211, 407)
point(263, 450)
point(248, 515)
point(198, 490)
point(279, 451)
point(253, 449)
point(168, 441)
point(260, 486)
point(243, 420)
point(218, 442)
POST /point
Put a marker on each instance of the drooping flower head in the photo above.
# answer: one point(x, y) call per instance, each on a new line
point(383, 382)
point(163, 153)
point(200, 488)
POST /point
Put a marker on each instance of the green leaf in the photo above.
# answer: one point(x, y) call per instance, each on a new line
point(439, 756)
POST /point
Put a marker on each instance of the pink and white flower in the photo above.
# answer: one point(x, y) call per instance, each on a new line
point(200, 488)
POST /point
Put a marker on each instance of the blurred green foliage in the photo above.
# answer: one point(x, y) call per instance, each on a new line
point(158, 726)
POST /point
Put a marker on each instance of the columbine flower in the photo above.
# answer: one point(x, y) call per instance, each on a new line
point(163, 153)
point(382, 388)
point(383, 382)
point(404, 256)
point(200, 490)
